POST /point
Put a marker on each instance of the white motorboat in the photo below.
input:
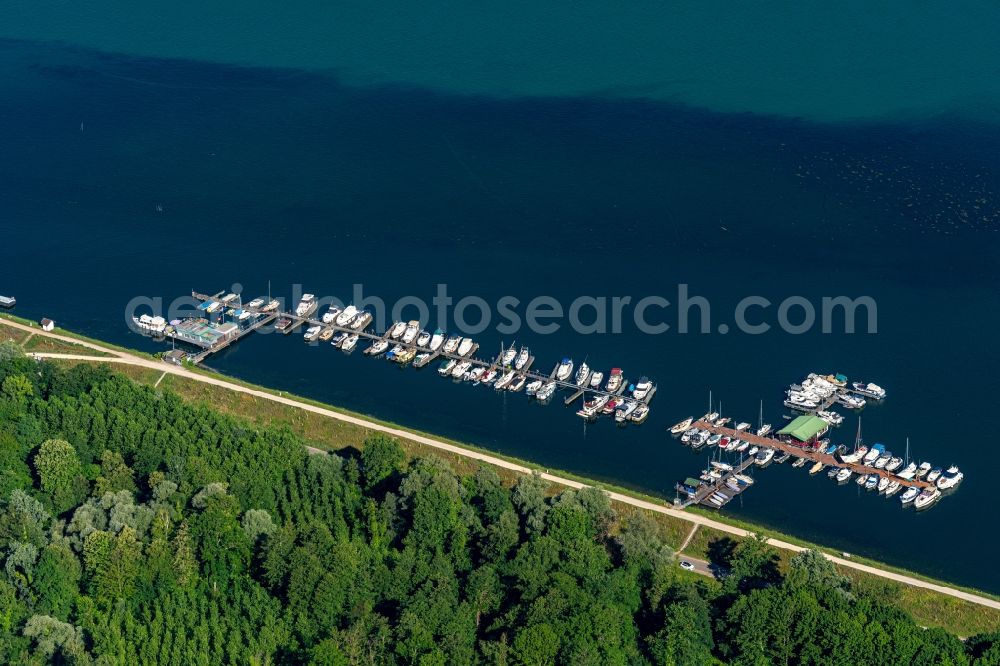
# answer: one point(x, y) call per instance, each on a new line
point(868, 390)
point(546, 391)
point(271, 306)
point(682, 426)
point(743, 446)
point(719, 422)
point(397, 330)
point(910, 495)
point(517, 383)
point(764, 430)
point(854, 456)
point(753, 451)
point(330, 316)
point(306, 306)
point(714, 439)
point(504, 380)
point(643, 387)
point(923, 469)
point(350, 343)
point(742, 425)
point(882, 461)
point(883, 484)
point(150, 324)
point(465, 346)
point(410, 332)
point(423, 338)
point(451, 344)
point(640, 414)
point(872, 455)
point(872, 482)
point(816, 468)
point(933, 475)
point(254, 304)
point(763, 457)
point(908, 472)
point(582, 374)
point(927, 498)
point(893, 464)
point(615, 380)
point(522, 358)
point(339, 338)
point(489, 376)
point(447, 367)
point(710, 417)
point(476, 373)
point(460, 369)
point(326, 334)
point(833, 418)
point(862, 479)
point(565, 369)
point(362, 320)
point(688, 434)
point(892, 488)
point(950, 478)
point(508, 355)
point(347, 316)
point(312, 333)
point(625, 411)
point(436, 340)
point(799, 462)
point(844, 475)
point(377, 347)
point(532, 387)
point(596, 379)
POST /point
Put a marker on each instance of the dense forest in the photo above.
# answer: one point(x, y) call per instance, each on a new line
point(136, 528)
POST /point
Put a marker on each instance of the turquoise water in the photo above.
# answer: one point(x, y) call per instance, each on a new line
point(838, 61)
point(123, 172)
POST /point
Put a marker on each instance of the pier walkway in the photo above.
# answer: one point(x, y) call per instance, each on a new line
point(799, 452)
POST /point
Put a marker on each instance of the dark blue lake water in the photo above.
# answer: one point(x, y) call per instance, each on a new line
point(127, 176)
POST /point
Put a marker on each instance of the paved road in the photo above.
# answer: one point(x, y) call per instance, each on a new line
point(130, 359)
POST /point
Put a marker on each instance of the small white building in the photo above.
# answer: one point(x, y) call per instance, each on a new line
point(48, 324)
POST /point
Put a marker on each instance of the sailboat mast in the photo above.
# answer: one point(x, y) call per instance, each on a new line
point(709, 401)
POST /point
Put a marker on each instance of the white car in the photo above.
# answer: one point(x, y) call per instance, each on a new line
point(687, 566)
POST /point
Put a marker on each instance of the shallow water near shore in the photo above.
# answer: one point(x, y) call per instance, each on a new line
point(125, 176)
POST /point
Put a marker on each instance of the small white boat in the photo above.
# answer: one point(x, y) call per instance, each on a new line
point(507, 357)
point(330, 316)
point(615, 380)
point(868, 390)
point(710, 417)
point(882, 461)
point(910, 495)
point(447, 367)
point(532, 387)
point(742, 425)
point(254, 304)
point(682, 426)
point(565, 369)
point(893, 464)
point(862, 480)
point(397, 330)
point(271, 306)
point(306, 306)
point(933, 475)
point(150, 324)
point(410, 332)
point(465, 346)
point(854, 456)
point(546, 391)
point(362, 320)
point(517, 383)
point(872, 482)
point(844, 475)
point(763, 457)
point(489, 376)
point(312, 333)
point(892, 488)
point(950, 478)
point(743, 446)
point(926, 498)
point(640, 414)
point(476, 373)
point(643, 387)
point(350, 343)
point(625, 411)
point(764, 430)
point(596, 379)
point(451, 344)
point(436, 340)
point(377, 347)
point(423, 338)
point(460, 369)
point(799, 462)
point(582, 374)
point(753, 451)
point(923, 469)
point(522, 358)
point(816, 468)
point(326, 334)
point(347, 316)
point(883, 484)
point(505, 380)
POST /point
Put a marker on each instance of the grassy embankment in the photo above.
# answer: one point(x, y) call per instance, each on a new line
point(928, 607)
